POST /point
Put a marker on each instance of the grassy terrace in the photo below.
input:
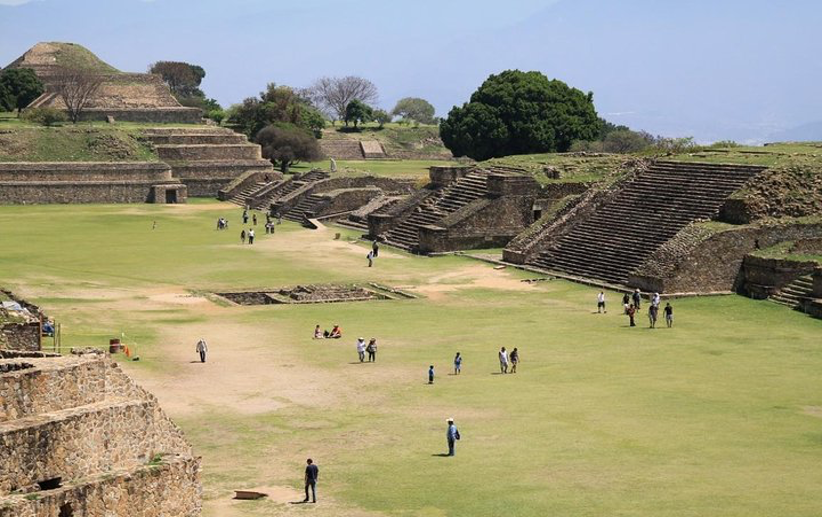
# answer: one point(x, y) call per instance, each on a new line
point(88, 141)
point(718, 416)
point(783, 153)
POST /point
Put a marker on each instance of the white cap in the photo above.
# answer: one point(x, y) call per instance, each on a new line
point(450, 420)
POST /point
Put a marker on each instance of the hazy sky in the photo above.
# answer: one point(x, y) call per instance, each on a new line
point(749, 70)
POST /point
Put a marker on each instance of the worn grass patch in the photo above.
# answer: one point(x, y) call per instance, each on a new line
point(717, 416)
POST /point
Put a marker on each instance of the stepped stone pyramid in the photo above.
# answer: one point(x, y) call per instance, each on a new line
point(125, 96)
point(620, 234)
point(79, 438)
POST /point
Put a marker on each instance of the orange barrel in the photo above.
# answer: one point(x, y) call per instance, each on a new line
point(114, 346)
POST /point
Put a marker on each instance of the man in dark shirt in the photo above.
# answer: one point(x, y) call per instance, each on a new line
point(312, 472)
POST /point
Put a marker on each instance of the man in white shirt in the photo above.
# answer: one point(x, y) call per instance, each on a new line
point(601, 302)
point(361, 349)
point(503, 360)
point(202, 348)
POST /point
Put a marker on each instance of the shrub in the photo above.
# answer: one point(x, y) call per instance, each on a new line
point(44, 116)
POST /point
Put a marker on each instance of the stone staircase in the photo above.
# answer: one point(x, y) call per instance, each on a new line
point(307, 206)
point(341, 149)
point(434, 208)
point(795, 293)
point(647, 212)
point(289, 186)
point(206, 158)
point(243, 197)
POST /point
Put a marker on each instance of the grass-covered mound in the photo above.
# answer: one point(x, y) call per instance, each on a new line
point(86, 143)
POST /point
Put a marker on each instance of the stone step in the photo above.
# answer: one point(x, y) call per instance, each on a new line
point(223, 152)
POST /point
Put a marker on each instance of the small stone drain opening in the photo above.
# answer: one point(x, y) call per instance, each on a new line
point(50, 484)
point(317, 293)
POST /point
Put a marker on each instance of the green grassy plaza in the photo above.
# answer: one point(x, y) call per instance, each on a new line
point(719, 416)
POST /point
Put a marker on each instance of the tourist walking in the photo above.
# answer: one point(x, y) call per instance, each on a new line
point(431, 374)
point(202, 348)
point(254, 219)
point(372, 350)
point(653, 313)
point(245, 216)
point(361, 349)
point(601, 302)
point(626, 300)
point(242, 236)
point(457, 364)
point(631, 312)
point(251, 236)
point(514, 360)
point(503, 360)
point(370, 258)
point(452, 435)
point(655, 300)
point(375, 248)
point(637, 298)
point(312, 473)
point(669, 315)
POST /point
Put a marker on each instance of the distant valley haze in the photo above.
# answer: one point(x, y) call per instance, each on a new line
point(744, 70)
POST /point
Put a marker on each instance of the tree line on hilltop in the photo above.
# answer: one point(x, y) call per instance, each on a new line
point(511, 113)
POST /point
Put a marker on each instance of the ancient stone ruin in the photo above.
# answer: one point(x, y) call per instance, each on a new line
point(122, 96)
point(461, 208)
point(81, 439)
point(317, 293)
point(20, 324)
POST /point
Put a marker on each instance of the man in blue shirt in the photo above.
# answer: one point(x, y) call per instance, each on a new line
point(452, 435)
point(312, 472)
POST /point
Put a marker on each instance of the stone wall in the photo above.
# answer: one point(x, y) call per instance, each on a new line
point(762, 277)
point(82, 420)
point(84, 171)
point(483, 223)
point(711, 261)
point(21, 336)
point(51, 386)
point(81, 182)
point(346, 200)
point(170, 488)
point(443, 175)
point(179, 115)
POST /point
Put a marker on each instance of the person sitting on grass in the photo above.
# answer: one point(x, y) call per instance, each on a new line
point(336, 332)
point(318, 334)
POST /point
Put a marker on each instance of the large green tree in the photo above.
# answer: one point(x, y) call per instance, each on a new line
point(18, 87)
point(520, 113)
point(285, 144)
point(276, 105)
point(416, 109)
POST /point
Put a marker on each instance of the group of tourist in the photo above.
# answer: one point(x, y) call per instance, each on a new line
point(247, 235)
point(334, 333)
point(370, 349)
point(222, 223)
point(505, 359)
point(631, 304)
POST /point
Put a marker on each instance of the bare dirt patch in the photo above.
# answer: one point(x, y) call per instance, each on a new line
point(473, 276)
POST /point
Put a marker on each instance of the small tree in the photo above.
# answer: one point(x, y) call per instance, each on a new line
point(18, 87)
point(285, 144)
point(76, 88)
point(382, 117)
point(334, 94)
point(358, 111)
point(416, 109)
